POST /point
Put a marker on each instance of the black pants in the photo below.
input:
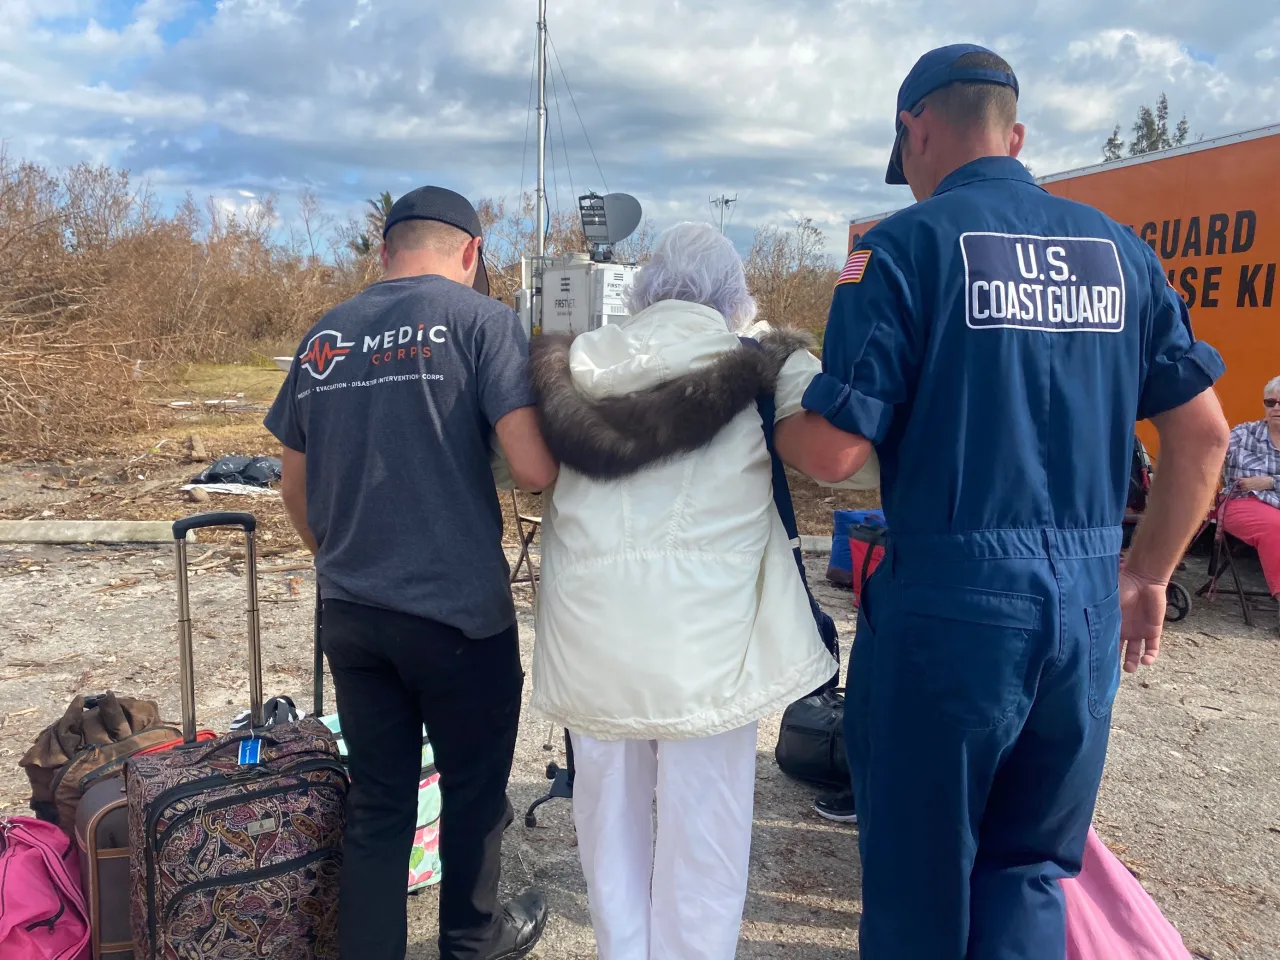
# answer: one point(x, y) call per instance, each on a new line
point(393, 673)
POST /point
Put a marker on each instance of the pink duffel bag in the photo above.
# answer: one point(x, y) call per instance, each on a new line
point(42, 908)
point(1111, 917)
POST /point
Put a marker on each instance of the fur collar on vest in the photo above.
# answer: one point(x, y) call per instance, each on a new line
point(611, 437)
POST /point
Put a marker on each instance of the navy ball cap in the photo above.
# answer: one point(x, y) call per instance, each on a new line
point(935, 70)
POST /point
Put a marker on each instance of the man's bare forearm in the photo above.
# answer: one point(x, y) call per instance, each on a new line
point(298, 517)
point(293, 491)
point(809, 443)
point(531, 465)
point(1193, 442)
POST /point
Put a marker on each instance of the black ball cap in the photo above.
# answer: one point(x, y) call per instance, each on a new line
point(437, 203)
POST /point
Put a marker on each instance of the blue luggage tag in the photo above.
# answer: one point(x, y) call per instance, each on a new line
point(250, 751)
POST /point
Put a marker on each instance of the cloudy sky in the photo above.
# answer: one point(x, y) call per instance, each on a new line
point(786, 103)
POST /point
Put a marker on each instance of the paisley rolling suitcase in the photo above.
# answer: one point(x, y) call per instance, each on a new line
point(235, 843)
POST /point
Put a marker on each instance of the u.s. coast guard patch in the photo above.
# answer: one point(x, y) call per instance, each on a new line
point(1055, 284)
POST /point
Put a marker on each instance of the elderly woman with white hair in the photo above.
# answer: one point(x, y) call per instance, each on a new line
point(672, 615)
point(1252, 473)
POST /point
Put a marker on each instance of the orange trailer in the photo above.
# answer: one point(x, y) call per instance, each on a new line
point(1211, 211)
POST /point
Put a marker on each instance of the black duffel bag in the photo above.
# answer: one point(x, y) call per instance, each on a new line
point(811, 741)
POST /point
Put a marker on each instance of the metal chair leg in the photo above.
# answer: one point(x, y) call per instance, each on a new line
point(1235, 576)
point(520, 560)
point(525, 560)
point(1213, 573)
point(528, 562)
point(526, 538)
point(1222, 562)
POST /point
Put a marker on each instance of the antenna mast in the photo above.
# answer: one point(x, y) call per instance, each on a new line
point(542, 132)
point(721, 202)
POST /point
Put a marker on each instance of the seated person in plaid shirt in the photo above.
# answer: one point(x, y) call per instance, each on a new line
point(1253, 482)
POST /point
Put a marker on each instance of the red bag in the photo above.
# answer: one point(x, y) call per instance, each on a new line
point(202, 736)
point(867, 555)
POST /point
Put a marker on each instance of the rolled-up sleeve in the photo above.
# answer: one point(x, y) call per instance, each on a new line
point(793, 380)
point(502, 366)
point(283, 419)
point(870, 353)
point(1177, 367)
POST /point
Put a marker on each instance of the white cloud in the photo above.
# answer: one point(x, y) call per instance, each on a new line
point(790, 105)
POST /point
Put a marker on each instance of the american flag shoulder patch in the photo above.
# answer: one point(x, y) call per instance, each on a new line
point(855, 267)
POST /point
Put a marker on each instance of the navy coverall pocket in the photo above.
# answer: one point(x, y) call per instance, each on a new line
point(968, 649)
point(1104, 654)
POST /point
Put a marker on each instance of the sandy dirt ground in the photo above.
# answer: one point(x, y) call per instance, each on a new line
point(1191, 799)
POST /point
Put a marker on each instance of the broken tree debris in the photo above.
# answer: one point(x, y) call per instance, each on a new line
point(198, 453)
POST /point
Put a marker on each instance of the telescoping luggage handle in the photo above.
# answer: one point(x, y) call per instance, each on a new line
point(248, 523)
point(317, 677)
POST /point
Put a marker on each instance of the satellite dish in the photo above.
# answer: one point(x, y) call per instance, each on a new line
point(607, 220)
point(622, 213)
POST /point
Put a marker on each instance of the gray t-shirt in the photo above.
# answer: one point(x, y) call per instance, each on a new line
point(393, 397)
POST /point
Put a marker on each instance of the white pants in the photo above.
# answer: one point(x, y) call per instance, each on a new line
point(684, 899)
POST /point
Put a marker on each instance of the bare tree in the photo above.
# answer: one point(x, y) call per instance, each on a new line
point(638, 247)
point(790, 275)
point(315, 223)
point(95, 277)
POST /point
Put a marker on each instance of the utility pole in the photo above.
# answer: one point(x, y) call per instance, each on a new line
point(721, 202)
point(540, 219)
point(542, 131)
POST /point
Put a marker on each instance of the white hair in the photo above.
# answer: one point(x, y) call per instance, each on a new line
point(693, 262)
point(1273, 386)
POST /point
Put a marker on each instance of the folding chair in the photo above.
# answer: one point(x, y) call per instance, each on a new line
point(526, 529)
point(561, 782)
point(1222, 559)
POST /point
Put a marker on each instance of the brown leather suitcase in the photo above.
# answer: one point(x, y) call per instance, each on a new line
point(102, 836)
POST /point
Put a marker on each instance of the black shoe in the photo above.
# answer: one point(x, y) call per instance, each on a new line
point(837, 807)
point(522, 923)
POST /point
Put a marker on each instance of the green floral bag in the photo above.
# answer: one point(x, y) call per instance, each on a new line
point(424, 857)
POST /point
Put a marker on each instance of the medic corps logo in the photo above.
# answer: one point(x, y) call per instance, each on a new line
point(323, 352)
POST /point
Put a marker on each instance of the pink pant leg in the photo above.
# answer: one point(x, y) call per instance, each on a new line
point(1258, 525)
point(1111, 917)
